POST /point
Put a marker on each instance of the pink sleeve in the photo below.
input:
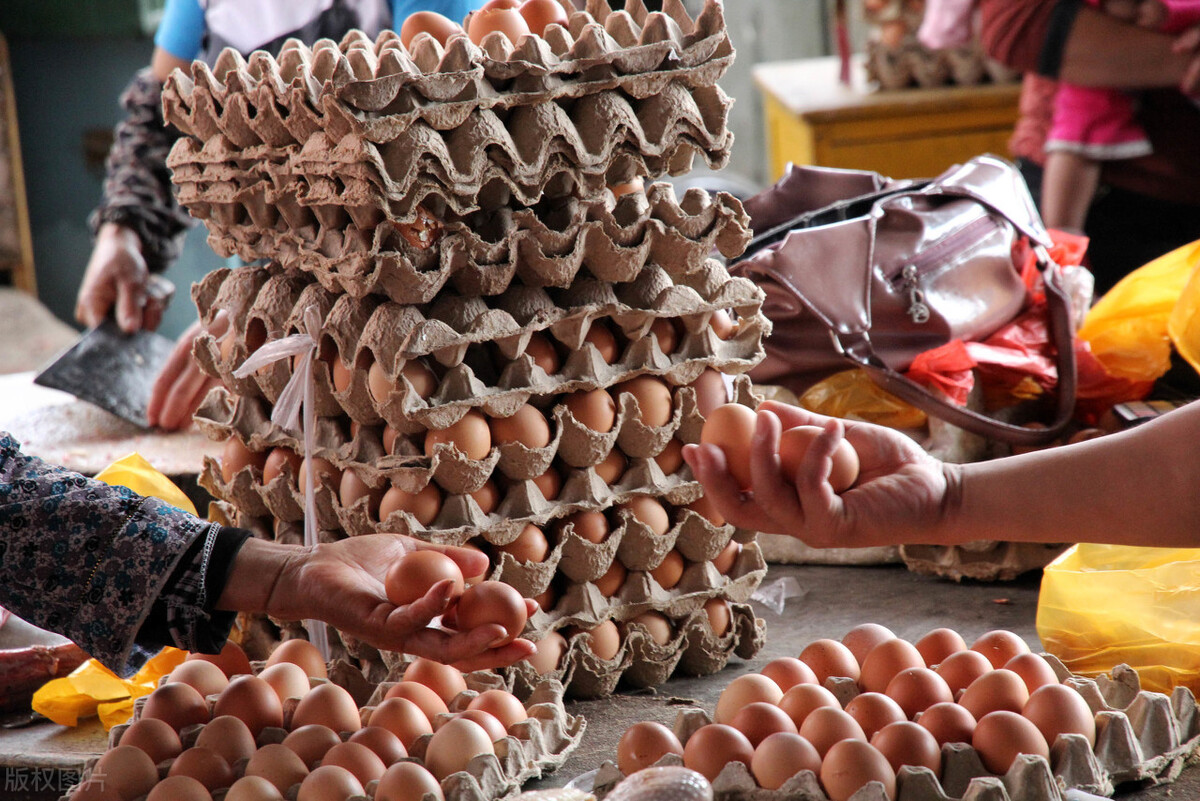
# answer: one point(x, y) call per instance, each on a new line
point(1181, 14)
point(947, 23)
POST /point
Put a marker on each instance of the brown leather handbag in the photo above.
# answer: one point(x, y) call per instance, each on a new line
point(862, 270)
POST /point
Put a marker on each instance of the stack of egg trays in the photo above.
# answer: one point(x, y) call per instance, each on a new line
point(539, 745)
point(1142, 737)
point(340, 137)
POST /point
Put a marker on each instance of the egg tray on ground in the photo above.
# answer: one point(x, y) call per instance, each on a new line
point(378, 87)
point(265, 305)
point(912, 64)
point(1141, 736)
point(539, 746)
point(604, 139)
point(483, 253)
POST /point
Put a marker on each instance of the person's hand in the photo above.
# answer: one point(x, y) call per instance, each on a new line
point(901, 490)
point(117, 280)
point(342, 583)
point(181, 386)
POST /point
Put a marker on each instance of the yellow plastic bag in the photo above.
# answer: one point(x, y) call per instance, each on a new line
point(852, 395)
point(92, 689)
point(1132, 327)
point(1104, 605)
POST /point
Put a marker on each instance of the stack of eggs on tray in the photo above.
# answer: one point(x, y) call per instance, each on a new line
point(514, 331)
point(857, 710)
point(215, 728)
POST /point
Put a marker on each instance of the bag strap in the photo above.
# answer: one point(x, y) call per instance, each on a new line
point(1062, 334)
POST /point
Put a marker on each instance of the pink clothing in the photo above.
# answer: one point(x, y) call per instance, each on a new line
point(947, 23)
point(1181, 14)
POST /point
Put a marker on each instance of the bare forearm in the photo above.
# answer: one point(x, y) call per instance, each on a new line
point(1104, 51)
point(1137, 487)
point(256, 570)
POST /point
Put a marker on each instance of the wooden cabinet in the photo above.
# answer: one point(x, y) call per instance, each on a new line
point(811, 118)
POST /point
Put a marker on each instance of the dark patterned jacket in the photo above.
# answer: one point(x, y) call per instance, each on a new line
point(119, 574)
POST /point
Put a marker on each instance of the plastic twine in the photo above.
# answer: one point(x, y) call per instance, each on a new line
point(298, 393)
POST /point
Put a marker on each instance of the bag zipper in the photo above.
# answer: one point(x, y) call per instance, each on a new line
point(922, 265)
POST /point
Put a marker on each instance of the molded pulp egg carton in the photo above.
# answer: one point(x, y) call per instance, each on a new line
point(538, 745)
point(1141, 736)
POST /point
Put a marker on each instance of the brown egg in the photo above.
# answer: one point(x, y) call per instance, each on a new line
point(1001, 735)
point(204, 765)
point(361, 761)
point(719, 615)
point(873, 711)
point(329, 782)
point(179, 788)
point(407, 781)
point(429, 702)
point(428, 22)
point(711, 747)
point(95, 790)
point(802, 699)
point(504, 706)
point(948, 723)
point(705, 507)
point(603, 640)
point(154, 736)
point(487, 496)
point(669, 570)
point(664, 332)
point(725, 560)
point(743, 690)
point(906, 743)
point(781, 756)
point(548, 654)
point(541, 349)
point(961, 668)
point(643, 744)
point(278, 764)
point(612, 468)
point(759, 719)
point(207, 678)
point(787, 672)
point(830, 658)
point(492, 602)
point(1000, 646)
point(424, 505)
point(547, 599)
point(885, 661)
point(1033, 670)
point(130, 770)
point(378, 384)
point(529, 546)
point(235, 457)
point(253, 788)
point(657, 625)
point(402, 718)
point(541, 14)
point(670, 458)
point(490, 723)
point(939, 644)
point(281, 462)
point(653, 397)
point(310, 742)
point(794, 444)
point(384, 743)
point(710, 390)
point(549, 483)
point(613, 579)
point(416, 572)
point(649, 512)
point(527, 426)
point(179, 705)
point(599, 335)
point(594, 409)
point(341, 375)
point(826, 725)
point(352, 489)
point(997, 690)
point(730, 428)
point(1057, 709)
point(916, 689)
point(388, 438)
point(325, 473)
point(851, 765)
point(862, 638)
point(423, 381)
point(591, 526)
point(253, 701)
point(302, 653)
point(286, 679)
point(232, 659)
point(228, 737)
point(444, 680)
point(454, 745)
point(329, 705)
point(470, 436)
point(722, 324)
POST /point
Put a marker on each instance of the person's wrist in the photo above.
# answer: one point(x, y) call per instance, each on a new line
point(117, 234)
point(258, 568)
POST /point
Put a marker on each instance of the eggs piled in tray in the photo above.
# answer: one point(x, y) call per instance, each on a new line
point(216, 727)
point(517, 332)
point(876, 717)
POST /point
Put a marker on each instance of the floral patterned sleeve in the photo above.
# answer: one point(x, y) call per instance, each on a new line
point(105, 567)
